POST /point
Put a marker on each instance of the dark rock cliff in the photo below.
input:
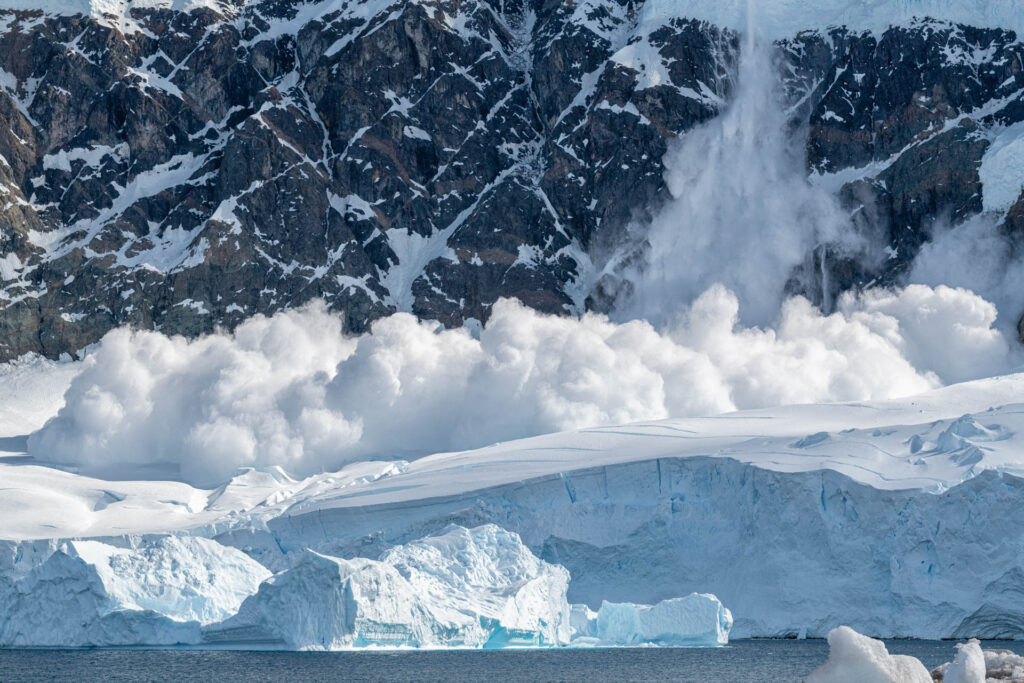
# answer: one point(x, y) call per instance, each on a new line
point(185, 170)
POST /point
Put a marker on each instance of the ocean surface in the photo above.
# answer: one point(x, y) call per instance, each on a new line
point(743, 660)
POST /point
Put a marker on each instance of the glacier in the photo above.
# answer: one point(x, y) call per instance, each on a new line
point(788, 515)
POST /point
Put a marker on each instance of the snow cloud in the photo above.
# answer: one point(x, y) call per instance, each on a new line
point(292, 390)
point(742, 212)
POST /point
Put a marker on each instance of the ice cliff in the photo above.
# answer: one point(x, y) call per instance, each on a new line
point(788, 515)
point(84, 593)
point(463, 588)
point(697, 619)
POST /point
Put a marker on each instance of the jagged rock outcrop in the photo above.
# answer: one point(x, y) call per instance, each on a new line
point(183, 170)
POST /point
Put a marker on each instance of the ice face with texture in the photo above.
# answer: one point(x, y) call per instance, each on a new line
point(854, 658)
point(699, 619)
point(462, 588)
point(186, 578)
point(87, 593)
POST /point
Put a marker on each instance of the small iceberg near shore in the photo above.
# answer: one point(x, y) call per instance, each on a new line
point(856, 658)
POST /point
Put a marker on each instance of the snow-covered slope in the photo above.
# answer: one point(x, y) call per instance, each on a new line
point(33, 390)
point(777, 19)
point(784, 18)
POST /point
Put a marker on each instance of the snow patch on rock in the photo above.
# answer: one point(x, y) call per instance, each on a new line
point(1002, 169)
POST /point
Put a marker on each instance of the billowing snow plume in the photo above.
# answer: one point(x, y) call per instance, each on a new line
point(976, 255)
point(291, 390)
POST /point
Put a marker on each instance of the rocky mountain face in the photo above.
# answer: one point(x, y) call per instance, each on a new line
point(184, 170)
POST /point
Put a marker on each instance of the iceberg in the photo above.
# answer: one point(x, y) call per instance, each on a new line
point(855, 658)
point(462, 588)
point(472, 588)
point(699, 619)
point(967, 667)
point(87, 593)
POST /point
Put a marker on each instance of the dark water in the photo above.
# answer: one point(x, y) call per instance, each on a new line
point(744, 660)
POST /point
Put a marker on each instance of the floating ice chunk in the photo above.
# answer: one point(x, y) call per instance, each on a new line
point(853, 658)
point(463, 588)
point(967, 667)
point(697, 619)
point(87, 593)
point(1004, 665)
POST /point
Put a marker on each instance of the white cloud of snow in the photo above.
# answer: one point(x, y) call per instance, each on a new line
point(291, 390)
point(976, 255)
point(742, 212)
